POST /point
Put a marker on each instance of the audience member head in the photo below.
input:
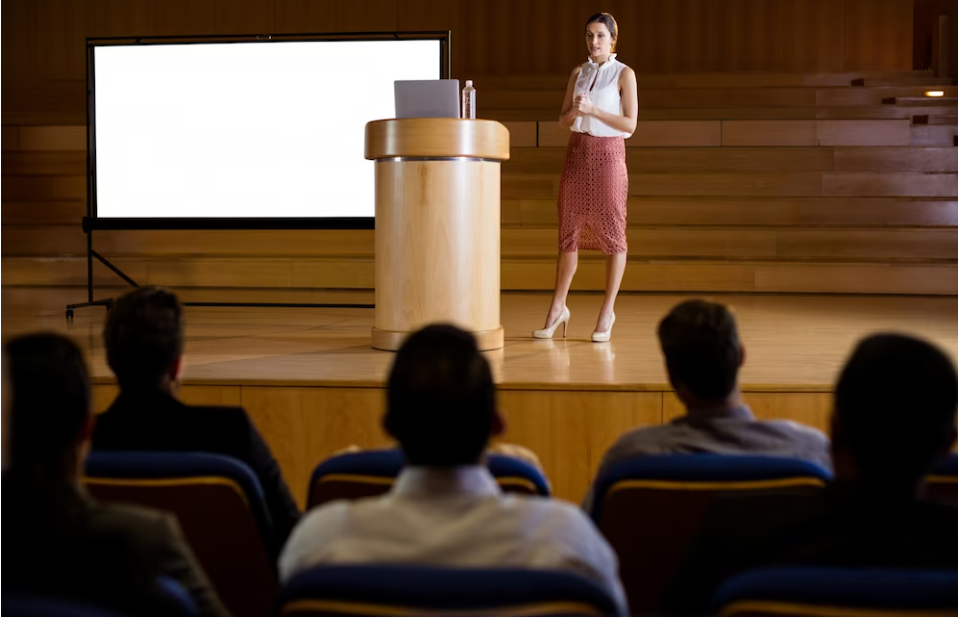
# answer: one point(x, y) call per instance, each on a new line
point(702, 352)
point(51, 420)
point(144, 338)
point(441, 403)
point(894, 417)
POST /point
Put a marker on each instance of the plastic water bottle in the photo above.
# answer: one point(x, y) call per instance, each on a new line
point(469, 101)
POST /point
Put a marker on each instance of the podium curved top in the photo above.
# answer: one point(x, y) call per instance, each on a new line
point(439, 137)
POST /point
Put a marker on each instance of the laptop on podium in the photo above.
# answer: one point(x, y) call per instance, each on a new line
point(430, 98)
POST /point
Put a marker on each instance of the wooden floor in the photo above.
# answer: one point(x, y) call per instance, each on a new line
point(313, 385)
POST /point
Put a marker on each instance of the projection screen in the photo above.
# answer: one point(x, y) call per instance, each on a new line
point(220, 132)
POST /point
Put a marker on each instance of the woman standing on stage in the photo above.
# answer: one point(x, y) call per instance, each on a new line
point(601, 108)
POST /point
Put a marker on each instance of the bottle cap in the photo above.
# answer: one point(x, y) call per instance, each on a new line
point(468, 82)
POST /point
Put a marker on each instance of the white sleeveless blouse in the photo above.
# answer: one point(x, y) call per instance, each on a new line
point(603, 80)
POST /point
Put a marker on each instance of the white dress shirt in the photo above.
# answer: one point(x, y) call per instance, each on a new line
point(456, 517)
point(601, 83)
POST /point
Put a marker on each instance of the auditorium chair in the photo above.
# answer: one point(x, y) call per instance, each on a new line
point(942, 482)
point(219, 504)
point(372, 472)
point(650, 508)
point(396, 590)
point(833, 592)
point(15, 604)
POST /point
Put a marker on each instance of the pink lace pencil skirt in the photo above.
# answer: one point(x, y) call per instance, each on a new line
point(592, 195)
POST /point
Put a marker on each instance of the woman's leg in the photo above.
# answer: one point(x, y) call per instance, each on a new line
point(614, 270)
point(566, 265)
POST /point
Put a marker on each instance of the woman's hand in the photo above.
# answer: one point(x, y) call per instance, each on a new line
point(584, 104)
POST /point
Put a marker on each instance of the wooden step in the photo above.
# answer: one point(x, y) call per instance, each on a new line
point(925, 101)
point(652, 159)
point(935, 136)
point(735, 159)
point(657, 81)
point(790, 243)
point(697, 98)
point(44, 299)
point(908, 80)
point(517, 274)
point(757, 211)
point(764, 184)
point(691, 133)
point(816, 133)
point(673, 211)
point(862, 97)
point(883, 112)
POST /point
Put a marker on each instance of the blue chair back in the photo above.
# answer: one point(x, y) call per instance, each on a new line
point(650, 508)
point(394, 591)
point(220, 507)
point(833, 592)
point(942, 483)
point(370, 473)
point(180, 604)
point(16, 605)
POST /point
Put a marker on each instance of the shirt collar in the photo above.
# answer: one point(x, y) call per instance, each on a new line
point(595, 65)
point(473, 480)
point(740, 413)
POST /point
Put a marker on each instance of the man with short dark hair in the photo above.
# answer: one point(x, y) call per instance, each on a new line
point(703, 355)
point(60, 542)
point(894, 419)
point(144, 338)
point(445, 508)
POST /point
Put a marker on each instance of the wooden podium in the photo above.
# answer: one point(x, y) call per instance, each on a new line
point(437, 226)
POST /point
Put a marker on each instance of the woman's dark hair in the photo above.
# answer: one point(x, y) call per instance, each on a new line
point(609, 22)
point(51, 402)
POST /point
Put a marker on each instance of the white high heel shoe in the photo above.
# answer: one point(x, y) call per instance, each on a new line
point(548, 332)
point(604, 337)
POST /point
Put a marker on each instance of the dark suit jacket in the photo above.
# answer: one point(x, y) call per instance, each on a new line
point(841, 526)
point(155, 421)
point(61, 543)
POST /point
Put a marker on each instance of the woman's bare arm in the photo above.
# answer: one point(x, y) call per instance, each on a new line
point(569, 110)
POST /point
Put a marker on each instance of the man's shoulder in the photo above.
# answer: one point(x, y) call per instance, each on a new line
point(806, 436)
point(646, 440)
point(138, 525)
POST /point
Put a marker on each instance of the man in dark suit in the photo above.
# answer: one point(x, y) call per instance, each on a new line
point(60, 542)
point(144, 338)
point(894, 418)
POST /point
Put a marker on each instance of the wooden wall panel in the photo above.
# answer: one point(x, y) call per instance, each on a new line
point(809, 408)
point(44, 40)
point(878, 35)
point(570, 431)
point(304, 426)
point(172, 17)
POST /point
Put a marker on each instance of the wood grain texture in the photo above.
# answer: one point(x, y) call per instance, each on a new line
point(436, 137)
point(313, 386)
point(304, 426)
point(686, 241)
point(567, 434)
point(437, 245)
point(660, 274)
point(44, 40)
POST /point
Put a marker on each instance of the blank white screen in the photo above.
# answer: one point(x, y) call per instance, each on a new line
point(245, 129)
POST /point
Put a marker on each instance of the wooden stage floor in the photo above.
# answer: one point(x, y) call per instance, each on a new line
point(791, 340)
point(313, 385)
